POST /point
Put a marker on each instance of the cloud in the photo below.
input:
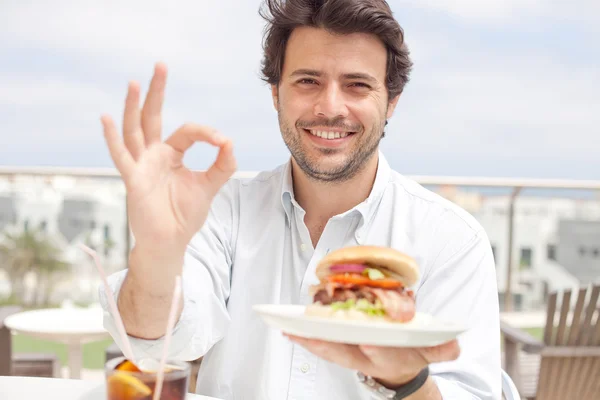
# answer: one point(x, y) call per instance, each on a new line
point(192, 36)
point(505, 109)
point(477, 10)
point(493, 80)
point(510, 11)
point(22, 92)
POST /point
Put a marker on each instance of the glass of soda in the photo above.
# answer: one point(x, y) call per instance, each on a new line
point(124, 381)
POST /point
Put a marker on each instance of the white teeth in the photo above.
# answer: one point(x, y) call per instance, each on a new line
point(329, 135)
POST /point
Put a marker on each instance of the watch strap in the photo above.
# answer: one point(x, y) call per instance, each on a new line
point(397, 393)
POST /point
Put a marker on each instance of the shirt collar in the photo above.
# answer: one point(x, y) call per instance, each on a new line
point(287, 189)
point(366, 209)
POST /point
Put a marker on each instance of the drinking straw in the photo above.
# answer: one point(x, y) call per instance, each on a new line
point(113, 305)
point(168, 334)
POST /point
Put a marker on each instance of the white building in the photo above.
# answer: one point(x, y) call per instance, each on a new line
point(72, 211)
point(91, 210)
point(535, 241)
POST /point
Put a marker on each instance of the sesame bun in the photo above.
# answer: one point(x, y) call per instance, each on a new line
point(391, 262)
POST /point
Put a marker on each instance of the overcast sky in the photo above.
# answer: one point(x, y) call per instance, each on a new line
point(499, 87)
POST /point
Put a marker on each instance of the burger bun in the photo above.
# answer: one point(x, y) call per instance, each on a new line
point(393, 263)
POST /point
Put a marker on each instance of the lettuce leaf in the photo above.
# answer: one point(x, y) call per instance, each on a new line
point(373, 274)
point(362, 305)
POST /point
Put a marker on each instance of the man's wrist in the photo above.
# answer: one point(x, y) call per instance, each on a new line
point(156, 255)
point(397, 391)
point(153, 272)
point(397, 382)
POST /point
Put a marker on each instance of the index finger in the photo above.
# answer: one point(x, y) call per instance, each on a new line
point(184, 137)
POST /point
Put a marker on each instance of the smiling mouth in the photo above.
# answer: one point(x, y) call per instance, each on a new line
point(330, 135)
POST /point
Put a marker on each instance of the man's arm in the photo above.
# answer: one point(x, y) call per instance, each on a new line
point(429, 391)
point(462, 288)
point(205, 279)
point(144, 298)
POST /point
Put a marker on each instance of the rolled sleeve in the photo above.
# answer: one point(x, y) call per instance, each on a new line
point(182, 332)
point(206, 283)
point(463, 289)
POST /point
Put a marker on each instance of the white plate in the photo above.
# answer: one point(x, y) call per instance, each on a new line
point(424, 330)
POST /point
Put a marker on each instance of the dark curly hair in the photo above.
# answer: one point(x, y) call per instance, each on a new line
point(340, 17)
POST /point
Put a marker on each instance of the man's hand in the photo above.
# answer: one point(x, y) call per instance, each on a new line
point(167, 203)
point(390, 366)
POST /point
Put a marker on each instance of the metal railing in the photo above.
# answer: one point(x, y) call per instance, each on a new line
point(516, 184)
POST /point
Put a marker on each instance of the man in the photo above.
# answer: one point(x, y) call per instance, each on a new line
point(336, 69)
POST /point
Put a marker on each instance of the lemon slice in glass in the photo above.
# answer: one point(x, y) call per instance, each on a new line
point(124, 386)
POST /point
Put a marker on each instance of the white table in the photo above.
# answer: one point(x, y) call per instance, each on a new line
point(72, 326)
point(30, 388)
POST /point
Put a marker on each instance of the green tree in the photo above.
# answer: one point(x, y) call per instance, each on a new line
point(31, 251)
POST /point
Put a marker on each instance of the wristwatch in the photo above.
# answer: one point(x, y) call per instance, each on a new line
point(399, 393)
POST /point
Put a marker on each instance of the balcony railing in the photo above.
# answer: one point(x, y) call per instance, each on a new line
point(513, 187)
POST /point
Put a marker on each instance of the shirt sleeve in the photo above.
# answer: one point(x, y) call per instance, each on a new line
point(205, 287)
point(461, 287)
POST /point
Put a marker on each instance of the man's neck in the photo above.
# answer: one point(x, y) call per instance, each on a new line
point(323, 200)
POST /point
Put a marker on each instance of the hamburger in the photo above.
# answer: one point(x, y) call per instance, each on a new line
point(365, 282)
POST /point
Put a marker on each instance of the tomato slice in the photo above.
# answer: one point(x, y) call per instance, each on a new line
point(356, 279)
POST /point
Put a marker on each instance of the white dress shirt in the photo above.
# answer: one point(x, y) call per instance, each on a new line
point(255, 249)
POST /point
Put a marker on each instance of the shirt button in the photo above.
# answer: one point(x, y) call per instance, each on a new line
point(303, 247)
point(304, 368)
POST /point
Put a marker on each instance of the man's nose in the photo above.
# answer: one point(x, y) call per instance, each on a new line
point(331, 103)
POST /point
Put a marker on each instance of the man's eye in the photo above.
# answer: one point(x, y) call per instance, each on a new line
point(307, 81)
point(360, 85)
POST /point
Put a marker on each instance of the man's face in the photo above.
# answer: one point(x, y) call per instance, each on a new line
point(332, 101)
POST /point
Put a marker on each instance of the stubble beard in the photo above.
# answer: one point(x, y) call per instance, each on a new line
point(353, 165)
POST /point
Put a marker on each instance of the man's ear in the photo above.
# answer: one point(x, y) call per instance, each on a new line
point(392, 106)
point(275, 95)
